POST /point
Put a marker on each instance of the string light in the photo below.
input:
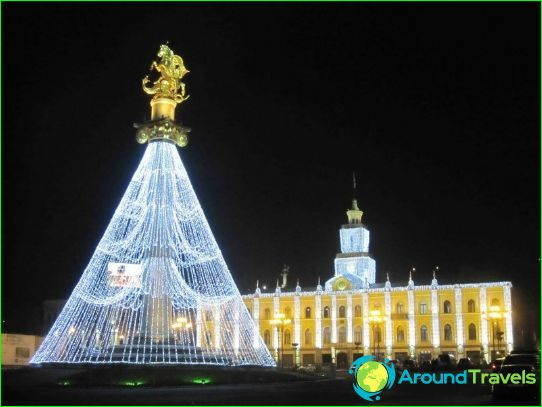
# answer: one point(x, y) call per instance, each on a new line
point(157, 289)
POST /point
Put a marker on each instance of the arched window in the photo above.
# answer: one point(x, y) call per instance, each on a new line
point(326, 312)
point(423, 308)
point(447, 307)
point(357, 311)
point(495, 301)
point(267, 337)
point(287, 339)
point(357, 334)
point(471, 306)
point(342, 334)
point(308, 337)
point(267, 313)
point(327, 335)
point(423, 333)
point(400, 334)
point(472, 332)
point(308, 312)
point(342, 312)
point(399, 308)
point(447, 332)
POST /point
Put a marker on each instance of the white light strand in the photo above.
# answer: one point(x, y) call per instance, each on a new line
point(411, 322)
point(366, 341)
point(508, 318)
point(387, 310)
point(435, 318)
point(297, 321)
point(333, 319)
point(318, 312)
point(459, 318)
point(155, 280)
point(349, 317)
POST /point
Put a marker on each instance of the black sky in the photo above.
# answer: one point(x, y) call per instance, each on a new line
point(435, 106)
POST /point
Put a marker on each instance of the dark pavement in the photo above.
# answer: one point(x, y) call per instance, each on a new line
point(321, 392)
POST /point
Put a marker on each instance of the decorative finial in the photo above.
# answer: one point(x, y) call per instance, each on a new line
point(434, 282)
point(387, 286)
point(258, 291)
point(297, 287)
point(410, 281)
point(319, 286)
point(168, 91)
point(277, 290)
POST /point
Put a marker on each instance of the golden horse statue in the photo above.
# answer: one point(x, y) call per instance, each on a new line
point(171, 69)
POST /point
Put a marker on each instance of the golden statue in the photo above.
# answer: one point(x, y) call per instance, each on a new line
point(168, 91)
point(171, 69)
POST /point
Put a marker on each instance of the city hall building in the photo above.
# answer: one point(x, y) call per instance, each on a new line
point(353, 315)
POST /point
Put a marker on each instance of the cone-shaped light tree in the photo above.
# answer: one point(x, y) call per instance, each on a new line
point(157, 289)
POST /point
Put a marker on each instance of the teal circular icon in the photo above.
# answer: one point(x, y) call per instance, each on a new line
point(372, 377)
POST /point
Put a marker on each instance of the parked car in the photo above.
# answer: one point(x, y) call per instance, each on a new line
point(446, 361)
point(426, 366)
point(496, 365)
point(464, 363)
point(409, 364)
point(518, 363)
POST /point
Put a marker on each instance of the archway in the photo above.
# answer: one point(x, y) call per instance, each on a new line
point(342, 360)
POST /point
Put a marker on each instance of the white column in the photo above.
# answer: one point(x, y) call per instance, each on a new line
point(389, 335)
point(411, 324)
point(276, 310)
point(483, 324)
point(509, 338)
point(216, 315)
point(318, 315)
point(349, 318)
point(297, 321)
point(366, 336)
point(459, 321)
point(333, 318)
point(256, 317)
point(435, 320)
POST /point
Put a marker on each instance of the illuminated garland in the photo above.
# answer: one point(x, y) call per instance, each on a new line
point(157, 289)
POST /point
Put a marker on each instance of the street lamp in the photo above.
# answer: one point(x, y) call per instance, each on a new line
point(494, 315)
point(280, 320)
point(375, 318)
point(180, 324)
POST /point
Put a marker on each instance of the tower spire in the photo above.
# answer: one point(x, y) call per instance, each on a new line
point(354, 214)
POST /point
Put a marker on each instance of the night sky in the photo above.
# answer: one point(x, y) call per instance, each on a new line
point(435, 106)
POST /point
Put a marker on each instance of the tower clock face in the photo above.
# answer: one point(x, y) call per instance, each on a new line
point(341, 284)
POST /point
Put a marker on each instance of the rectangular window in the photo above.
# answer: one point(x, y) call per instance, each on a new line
point(423, 308)
point(23, 353)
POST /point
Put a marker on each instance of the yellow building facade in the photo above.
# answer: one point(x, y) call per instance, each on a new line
point(353, 315)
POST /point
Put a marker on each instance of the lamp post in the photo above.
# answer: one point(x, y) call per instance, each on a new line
point(494, 315)
point(375, 318)
point(280, 320)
